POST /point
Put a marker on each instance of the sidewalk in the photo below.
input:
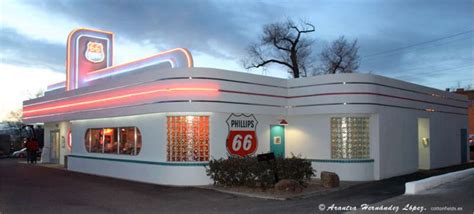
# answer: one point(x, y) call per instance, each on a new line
point(48, 165)
point(314, 189)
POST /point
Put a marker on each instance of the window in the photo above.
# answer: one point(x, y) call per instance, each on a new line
point(350, 137)
point(123, 140)
point(110, 140)
point(188, 138)
point(96, 141)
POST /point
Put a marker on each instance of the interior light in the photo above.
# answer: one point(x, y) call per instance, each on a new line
point(189, 119)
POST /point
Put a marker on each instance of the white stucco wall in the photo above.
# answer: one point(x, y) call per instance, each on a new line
point(153, 150)
point(309, 136)
point(307, 104)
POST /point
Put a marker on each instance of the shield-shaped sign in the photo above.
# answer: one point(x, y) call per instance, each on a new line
point(242, 138)
point(95, 52)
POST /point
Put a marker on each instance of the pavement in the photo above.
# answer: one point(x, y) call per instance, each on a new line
point(453, 197)
point(28, 188)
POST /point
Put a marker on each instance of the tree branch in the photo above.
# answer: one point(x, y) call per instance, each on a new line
point(264, 62)
point(275, 43)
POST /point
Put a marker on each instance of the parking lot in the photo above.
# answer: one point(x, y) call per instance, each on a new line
point(33, 189)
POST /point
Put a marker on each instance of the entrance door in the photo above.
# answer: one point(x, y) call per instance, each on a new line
point(463, 146)
point(54, 143)
point(277, 140)
point(424, 143)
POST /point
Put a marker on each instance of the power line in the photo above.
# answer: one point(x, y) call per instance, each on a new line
point(373, 60)
point(459, 80)
point(439, 65)
point(433, 72)
point(430, 67)
point(417, 44)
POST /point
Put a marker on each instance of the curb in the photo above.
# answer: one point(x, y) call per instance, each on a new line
point(244, 194)
point(268, 197)
point(45, 165)
point(414, 187)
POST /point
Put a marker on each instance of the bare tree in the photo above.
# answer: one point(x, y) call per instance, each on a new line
point(15, 124)
point(340, 57)
point(16, 116)
point(39, 93)
point(283, 43)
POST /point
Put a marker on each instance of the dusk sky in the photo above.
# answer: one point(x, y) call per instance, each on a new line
point(427, 42)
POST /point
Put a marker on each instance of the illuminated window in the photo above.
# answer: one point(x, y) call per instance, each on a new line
point(188, 138)
point(123, 140)
point(130, 143)
point(96, 141)
point(110, 140)
point(350, 137)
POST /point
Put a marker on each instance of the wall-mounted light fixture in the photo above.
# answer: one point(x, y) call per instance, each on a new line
point(283, 122)
point(425, 141)
point(430, 110)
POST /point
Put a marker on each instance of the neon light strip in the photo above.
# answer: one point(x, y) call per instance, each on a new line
point(127, 69)
point(252, 104)
point(178, 57)
point(69, 139)
point(30, 111)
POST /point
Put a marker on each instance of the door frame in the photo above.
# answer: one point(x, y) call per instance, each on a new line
point(54, 146)
point(464, 146)
point(281, 147)
point(424, 143)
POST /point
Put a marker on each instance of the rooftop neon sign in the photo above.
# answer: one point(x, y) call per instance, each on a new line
point(90, 56)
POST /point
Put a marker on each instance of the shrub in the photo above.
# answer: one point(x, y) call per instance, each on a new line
point(294, 168)
point(247, 171)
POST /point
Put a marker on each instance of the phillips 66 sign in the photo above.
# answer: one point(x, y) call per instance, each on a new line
point(242, 138)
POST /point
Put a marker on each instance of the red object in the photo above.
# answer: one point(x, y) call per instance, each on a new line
point(283, 122)
point(69, 139)
point(115, 98)
point(241, 143)
point(32, 145)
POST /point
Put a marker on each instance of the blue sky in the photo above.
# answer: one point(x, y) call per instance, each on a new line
point(33, 35)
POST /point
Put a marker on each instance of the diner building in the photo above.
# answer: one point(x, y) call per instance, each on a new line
point(160, 120)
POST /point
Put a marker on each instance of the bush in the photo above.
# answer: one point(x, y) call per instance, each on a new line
point(247, 171)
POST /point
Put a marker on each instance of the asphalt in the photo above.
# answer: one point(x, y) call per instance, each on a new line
point(31, 189)
point(453, 197)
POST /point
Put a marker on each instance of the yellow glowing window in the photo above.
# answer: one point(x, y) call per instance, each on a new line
point(188, 138)
point(122, 140)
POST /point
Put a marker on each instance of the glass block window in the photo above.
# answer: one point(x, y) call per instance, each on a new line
point(350, 137)
point(188, 138)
